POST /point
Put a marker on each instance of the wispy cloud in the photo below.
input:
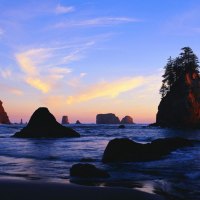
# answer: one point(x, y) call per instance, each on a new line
point(11, 90)
point(107, 89)
point(44, 67)
point(101, 21)
point(60, 9)
point(6, 73)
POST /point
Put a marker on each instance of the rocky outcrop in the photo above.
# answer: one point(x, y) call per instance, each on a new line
point(109, 118)
point(43, 124)
point(78, 122)
point(87, 171)
point(126, 150)
point(3, 115)
point(127, 120)
point(181, 106)
point(65, 120)
point(121, 126)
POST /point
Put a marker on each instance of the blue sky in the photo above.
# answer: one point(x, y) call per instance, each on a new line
point(80, 58)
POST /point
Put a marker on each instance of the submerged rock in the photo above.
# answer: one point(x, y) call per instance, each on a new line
point(87, 171)
point(121, 126)
point(3, 115)
point(127, 120)
point(108, 118)
point(126, 150)
point(65, 120)
point(44, 124)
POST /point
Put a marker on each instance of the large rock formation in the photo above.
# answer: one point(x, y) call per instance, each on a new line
point(109, 118)
point(127, 120)
point(3, 115)
point(65, 120)
point(87, 171)
point(43, 124)
point(181, 106)
point(126, 150)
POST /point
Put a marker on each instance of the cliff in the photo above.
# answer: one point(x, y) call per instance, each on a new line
point(3, 115)
point(108, 118)
point(181, 106)
point(127, 120)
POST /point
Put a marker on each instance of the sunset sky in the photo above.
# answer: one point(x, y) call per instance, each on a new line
point(83, 57)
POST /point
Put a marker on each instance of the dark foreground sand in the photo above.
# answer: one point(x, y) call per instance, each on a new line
point(36, 190)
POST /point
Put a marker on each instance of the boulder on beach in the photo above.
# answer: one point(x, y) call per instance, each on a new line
point(65, 120)
point(78, 122)
point(126, 150)
point(108, 118)
point(3, 115)
point(43, 124)
point(127, 120)
point(87, 171)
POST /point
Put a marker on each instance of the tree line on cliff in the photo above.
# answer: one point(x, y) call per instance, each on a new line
point(175, 69)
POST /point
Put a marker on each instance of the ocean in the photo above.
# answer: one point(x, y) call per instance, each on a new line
point(176, 176)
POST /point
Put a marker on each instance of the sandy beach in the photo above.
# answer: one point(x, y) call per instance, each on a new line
point(19, 189)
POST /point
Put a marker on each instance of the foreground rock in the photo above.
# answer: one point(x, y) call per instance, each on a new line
point(3, 115)
point(126, 150)
point(87, 171)
point(43, 124)
point(108, 118)
point(65, 120)
point(127, 120)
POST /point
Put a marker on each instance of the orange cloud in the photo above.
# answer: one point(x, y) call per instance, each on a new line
point(109, 90)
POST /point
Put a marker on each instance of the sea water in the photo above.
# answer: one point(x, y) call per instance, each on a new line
point(176, 176)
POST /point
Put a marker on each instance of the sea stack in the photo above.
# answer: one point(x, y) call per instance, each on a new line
point(44, 125)
point(180, 103)
point(65, 120)
point(3, 115)
point(127, 120)
point(78, 122)
point(108, 118)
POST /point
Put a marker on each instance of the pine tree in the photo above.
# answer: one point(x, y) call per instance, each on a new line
point(186, 62)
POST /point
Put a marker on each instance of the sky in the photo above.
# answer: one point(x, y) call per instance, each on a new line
point(80, 58)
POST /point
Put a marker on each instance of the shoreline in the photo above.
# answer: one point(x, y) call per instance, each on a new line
point(25, 189)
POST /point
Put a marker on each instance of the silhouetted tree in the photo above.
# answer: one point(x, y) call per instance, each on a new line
point(186, 62)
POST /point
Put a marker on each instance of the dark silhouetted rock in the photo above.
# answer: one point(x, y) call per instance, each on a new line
point(78, 122)
point(43, 124)
point(109, 118)
point(87, 171)
point(181, 106)
point(121, 126)
point(65, 120)
point(127, 120)
point(126, 150)
point(3, 115)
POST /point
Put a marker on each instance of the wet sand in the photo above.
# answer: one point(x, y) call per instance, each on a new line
point(31, 190)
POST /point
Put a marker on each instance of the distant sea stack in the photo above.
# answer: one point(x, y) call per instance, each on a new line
point(109, 118)
point(65, 120)
point(44, 125)
point(3, 115)
point(127, 120)
point(78, 122)
point(180, 103)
